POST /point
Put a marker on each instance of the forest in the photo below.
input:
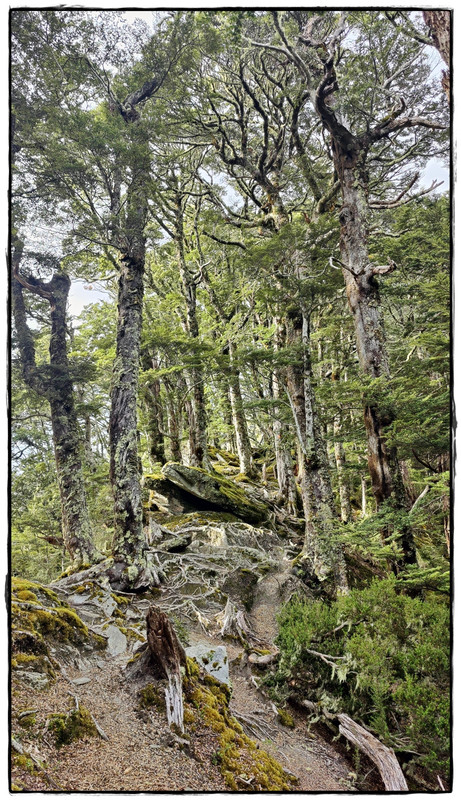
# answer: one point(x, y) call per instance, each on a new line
point(230, 400)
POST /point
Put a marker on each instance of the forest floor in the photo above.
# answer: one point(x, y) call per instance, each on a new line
point(208, 562)
point(141, 753)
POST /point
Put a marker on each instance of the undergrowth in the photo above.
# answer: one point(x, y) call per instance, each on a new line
point(382, 657)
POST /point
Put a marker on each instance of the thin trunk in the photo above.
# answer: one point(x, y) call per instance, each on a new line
point(283, 460)
point(89, 455)
point(340, 459)
point(154, 416)
point(227, 413)
point(198, 443)
point(363, 483)
point(322, 554)
point(174, 428)
point(238, 416)
point(57, 387)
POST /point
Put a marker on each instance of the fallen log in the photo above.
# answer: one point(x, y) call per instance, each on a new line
point(383, 757)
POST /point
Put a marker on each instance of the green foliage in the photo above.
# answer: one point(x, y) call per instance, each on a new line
point(382, 657)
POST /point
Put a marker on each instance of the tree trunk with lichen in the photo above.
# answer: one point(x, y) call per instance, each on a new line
point(153, 412)
point(129, 545)
point(322, 552)
point(360, 277)
point(56, 386)
point(439, 24)
point(283, 459)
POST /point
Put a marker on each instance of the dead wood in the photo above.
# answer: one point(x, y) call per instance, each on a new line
point(384, 758)
point(162, 657)
point(235, 623)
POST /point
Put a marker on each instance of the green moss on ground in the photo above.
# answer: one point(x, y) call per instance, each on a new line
point(285, 718)
point(241, 761)
point(66, 728)
point(151, 695)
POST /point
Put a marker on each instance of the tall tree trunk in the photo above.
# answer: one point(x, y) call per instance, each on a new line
point(350, 154)
point(129, 547)
point(129, 543)
point(363, 296)
point(238, 416)
point(340, 459)
point(322, 552)
point(57, 388)
point(154, 415)
point(198, 441)
point(174, 429)
point(283, 460)
point(439, 24)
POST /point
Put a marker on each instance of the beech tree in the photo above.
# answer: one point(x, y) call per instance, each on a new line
point(57, 388)
point(357, 129)
point(272, 151)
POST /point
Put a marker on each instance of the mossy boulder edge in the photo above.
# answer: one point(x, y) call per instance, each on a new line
point(216, 490)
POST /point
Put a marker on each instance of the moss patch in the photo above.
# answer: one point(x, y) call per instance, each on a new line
point(38, 590)
point(285, 718)
point(242, 763)
point(151, 695)
point(66, 728)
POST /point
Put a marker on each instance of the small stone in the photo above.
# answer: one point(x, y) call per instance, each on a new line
point(214, 660)
point(81, 681)
point(116, 641)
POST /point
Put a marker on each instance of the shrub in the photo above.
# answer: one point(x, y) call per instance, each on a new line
point(386, 662)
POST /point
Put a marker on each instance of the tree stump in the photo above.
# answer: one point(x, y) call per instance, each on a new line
point(168, 655)
point(163, 655)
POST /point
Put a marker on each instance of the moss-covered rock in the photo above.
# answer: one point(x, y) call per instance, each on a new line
point(38, 625)
point(215, 490)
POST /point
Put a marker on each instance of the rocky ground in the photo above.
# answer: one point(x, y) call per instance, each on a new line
point(223, 581)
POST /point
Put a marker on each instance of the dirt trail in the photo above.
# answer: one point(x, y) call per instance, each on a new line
point(316, 763)
point(141, 754)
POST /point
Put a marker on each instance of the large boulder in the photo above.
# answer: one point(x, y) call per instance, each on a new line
point(215, 490)
point(160, 494)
